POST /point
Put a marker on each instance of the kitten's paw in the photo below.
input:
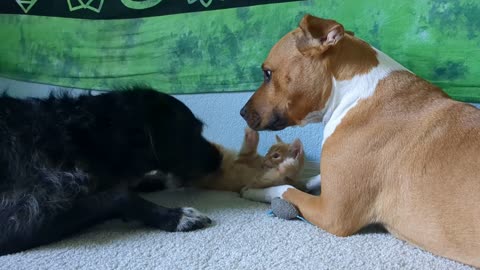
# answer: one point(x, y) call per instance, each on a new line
point(192, 219)
point(251, 138)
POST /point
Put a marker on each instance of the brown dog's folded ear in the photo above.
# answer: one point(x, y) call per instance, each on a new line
point(318, 34)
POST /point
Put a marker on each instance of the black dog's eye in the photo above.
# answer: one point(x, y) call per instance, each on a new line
point(267, 75)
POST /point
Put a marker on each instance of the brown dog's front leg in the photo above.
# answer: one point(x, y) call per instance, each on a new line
point(338, 213)
point(330, 215)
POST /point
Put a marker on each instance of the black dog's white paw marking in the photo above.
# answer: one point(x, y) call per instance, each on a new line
point(192, 219)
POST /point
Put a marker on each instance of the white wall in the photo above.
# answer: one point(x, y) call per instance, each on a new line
point(220, 112)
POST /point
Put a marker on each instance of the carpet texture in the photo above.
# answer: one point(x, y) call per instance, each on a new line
point(243, 236)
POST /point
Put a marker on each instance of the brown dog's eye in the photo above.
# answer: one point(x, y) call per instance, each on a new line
point(267, 75)
point(276, 155)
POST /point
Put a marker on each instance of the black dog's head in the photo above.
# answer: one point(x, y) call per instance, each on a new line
point(131, 132)
point(175, 135)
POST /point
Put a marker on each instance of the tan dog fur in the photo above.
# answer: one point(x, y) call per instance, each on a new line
point(406, 156)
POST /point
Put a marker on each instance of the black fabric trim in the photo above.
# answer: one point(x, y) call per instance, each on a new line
point(120, 9)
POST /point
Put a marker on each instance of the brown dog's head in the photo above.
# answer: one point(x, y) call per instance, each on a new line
point(298, 76)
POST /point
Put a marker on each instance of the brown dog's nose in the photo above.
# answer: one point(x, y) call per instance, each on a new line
point(243, 111)
point(251, 117)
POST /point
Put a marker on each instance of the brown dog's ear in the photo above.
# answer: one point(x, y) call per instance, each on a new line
point(318, 34)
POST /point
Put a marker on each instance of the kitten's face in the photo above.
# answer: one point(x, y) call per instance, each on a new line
point(276, 155)
point(279, 152)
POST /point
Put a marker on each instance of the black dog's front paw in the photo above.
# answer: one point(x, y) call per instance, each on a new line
point(163, 218)
point(192, 219)
point(176, 219)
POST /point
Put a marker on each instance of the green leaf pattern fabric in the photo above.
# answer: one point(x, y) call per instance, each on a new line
point(222, 50)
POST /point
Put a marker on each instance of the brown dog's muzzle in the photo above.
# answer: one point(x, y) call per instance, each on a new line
point(271, 120)
point(250, 116)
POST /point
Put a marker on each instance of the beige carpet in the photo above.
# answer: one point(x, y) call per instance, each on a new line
point(243, 237)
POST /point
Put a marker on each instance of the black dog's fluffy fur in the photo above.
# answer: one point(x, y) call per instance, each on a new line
point(65, 162)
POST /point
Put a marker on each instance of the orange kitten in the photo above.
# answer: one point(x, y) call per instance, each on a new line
point(281, 165)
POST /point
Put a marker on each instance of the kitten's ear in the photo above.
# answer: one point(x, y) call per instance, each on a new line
point(279, 140)
point(296, 148)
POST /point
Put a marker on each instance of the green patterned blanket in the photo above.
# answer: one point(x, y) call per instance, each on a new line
point(192, 46)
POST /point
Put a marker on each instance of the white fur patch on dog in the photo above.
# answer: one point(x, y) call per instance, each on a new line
point(346, 94)
point(313, 183)
point(172, 182)
point(264, 194)
point(313, 117)
point(192, 219)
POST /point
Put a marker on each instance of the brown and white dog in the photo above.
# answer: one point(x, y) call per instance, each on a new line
point(396, 149)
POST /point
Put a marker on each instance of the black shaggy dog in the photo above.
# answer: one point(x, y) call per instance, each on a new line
point(66, 162)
